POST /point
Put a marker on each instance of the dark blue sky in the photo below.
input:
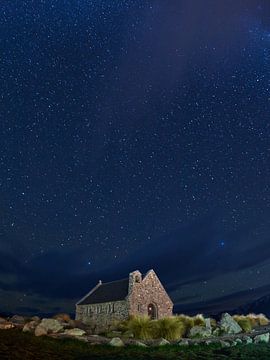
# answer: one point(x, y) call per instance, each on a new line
point(134, 134)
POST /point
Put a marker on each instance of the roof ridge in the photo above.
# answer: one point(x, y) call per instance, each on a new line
point(109, 282)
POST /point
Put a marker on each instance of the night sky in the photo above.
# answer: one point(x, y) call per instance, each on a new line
point(134, 134)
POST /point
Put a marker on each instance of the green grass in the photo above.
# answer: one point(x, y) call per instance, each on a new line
point(15, 345)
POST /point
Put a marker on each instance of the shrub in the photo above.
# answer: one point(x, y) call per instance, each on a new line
point(258, 320)
point(263, 320)
point(244, 322)
point(198, 320)
point(141, 327)
point(169, 328)
point(187, 323)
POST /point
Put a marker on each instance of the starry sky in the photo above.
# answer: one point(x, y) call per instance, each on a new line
point(134, 135)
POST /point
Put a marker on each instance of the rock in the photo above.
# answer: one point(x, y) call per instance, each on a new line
point(217, 332)
point(6, 326)
point(163, 342)
point(116, 342)
point(35, 318)
point(262, 338)
point(51, 325)
point(229, 325)
point(75, 332)
point(247, 339)
point(30, 326)
point(2, 320)
point(40, 331)
point(18, 320)
point(224, 344)
point(238, 341)
point(128, 334)
point(139, 343)
point(200, 332)
point(183, 342)
point(208, 324)
point(113, 334)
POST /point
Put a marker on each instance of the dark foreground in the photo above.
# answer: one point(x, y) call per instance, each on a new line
point(15, 345)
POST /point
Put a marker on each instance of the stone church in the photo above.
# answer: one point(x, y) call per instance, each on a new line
point(109, 302)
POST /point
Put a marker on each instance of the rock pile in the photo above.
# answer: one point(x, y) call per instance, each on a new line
point(227, 332)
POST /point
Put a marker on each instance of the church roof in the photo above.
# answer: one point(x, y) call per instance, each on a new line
point(107, 292)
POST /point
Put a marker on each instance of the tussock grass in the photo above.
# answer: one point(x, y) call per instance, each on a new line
point(141, 327)
point(258, 319)
point(244, 322)
point(169, 328)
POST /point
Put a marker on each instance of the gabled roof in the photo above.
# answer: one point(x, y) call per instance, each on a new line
point(111, 291)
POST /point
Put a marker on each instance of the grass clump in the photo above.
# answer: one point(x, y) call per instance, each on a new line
point(141, 327)
point(187, 323)
point(258, 320)
point(244, 322)
point(169, 328)
point(198, 320)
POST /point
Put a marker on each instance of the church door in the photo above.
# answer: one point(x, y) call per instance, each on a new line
point(152, 311)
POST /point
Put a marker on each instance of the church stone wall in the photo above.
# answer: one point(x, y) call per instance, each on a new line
point(141, 293)
point(100, 316)
point(148, 291)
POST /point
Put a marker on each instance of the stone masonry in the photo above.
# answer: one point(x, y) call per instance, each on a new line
point(109, 303)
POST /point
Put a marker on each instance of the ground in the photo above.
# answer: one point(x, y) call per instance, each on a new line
point(15, 345)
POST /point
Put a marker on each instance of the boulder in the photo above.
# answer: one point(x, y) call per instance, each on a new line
point(40, 331)
point(200, 332)
point(128, 334)
point(75, 332)
point(2, 320)
point(224, 344)
point(35, 318)
point(229, 325)
point(183, 342)
point(18, 320)
point(30, 326)
point(262, 338)
point(6, 326)
point(139, 343)
point(238, 341)
point(163, 342)
point(51, 325)
point(116, 342)
point(208, 325)
point(247, 339)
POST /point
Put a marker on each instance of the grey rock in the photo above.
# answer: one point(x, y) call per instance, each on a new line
point(224, 344)
point(6, 326)
point(247, 339)
point(18, 320)
point(208, 324)
point(30, 326)
point(262, 338)
point(183, 342)
point(51, 325)
point(116, 342)
point(238, 341)
point(40, 331)
point(139, 343)
point(229, 325)
point(200, 332)
point(163, 342)
point(74, 332)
